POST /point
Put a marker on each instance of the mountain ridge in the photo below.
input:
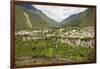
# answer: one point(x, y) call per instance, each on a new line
point(29, 17)
point(85, 18)
point(38, 20)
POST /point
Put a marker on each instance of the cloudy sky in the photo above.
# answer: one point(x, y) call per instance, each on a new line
point(59, 13)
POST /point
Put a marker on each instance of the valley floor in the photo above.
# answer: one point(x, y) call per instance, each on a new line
point(54, 46)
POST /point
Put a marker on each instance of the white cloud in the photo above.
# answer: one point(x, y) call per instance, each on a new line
point(59, 13)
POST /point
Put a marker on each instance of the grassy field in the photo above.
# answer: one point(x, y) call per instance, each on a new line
point(44, 52)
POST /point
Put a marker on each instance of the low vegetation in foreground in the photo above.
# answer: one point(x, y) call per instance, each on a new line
point(49, 50)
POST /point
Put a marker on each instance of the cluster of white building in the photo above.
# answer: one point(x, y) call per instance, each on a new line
point(75, 37)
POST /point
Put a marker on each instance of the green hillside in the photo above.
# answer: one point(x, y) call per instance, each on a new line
point(25, 19)
point(88, 20)
point(20, 20)
point(83, 19)
point(37, 20)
